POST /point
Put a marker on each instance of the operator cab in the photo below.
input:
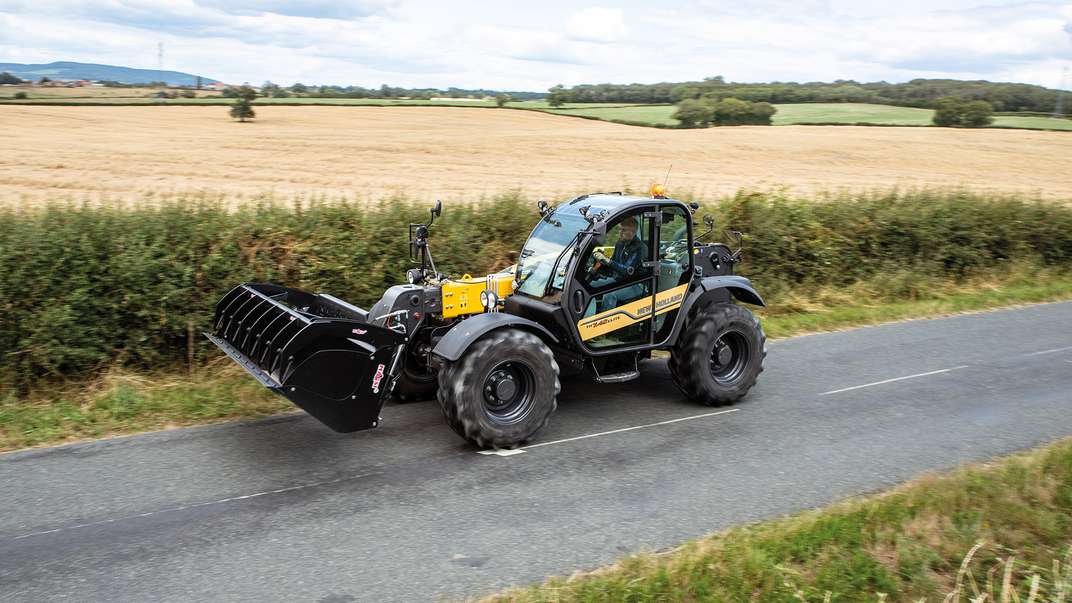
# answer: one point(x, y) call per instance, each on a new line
point(609, 271)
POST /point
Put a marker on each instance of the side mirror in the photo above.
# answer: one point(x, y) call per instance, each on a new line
point(709, 221)
point(543, 207)
point(599, 233)
point(438, 209)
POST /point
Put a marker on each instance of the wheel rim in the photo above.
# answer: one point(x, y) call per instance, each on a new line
point(729, 357)
point(509, 390)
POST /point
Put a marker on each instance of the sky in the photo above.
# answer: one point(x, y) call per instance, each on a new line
point(535, 45)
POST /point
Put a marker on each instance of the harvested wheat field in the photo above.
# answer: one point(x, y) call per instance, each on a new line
point(116, 153)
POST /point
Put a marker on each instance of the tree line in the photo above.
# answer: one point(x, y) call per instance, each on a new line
point(385, 91)
point(924, 93)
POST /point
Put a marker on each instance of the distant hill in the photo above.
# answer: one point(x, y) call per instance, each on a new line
point(69, 70)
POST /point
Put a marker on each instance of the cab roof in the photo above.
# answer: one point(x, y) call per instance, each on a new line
point(613, 202)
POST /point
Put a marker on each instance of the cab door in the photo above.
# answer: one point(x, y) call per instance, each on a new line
point(613, 289)
point(674, 267)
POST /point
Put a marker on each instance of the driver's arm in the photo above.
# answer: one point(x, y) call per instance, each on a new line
point(630, 261)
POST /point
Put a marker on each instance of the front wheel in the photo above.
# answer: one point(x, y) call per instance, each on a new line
point(719, 356)
point(502, 391)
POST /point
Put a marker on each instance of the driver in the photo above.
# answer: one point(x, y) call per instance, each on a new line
point(626, 259)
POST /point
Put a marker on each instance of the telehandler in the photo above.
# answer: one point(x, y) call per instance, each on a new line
point(603, 280)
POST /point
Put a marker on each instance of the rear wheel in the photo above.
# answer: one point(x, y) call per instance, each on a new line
point(502, 391)
point(719, 356)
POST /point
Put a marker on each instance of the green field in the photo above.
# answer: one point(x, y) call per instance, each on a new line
point(851, 113)
point(803, 113)
point(647, 114)
point(637, 114)
point(1047, 123)
point(811, 113)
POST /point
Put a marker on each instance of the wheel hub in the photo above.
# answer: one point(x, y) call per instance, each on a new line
point(723, 353)
point(729, 357)
point(508, 392)
point(500, 388)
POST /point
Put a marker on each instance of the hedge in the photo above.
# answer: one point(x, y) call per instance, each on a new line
point(87, 287)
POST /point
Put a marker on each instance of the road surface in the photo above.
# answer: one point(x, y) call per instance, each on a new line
point(285, 510)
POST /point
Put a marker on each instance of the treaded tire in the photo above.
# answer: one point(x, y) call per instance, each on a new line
point(693, 365)
point(462, 387)
point(415, 387)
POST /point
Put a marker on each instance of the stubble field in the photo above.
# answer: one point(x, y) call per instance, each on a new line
point(122, 153)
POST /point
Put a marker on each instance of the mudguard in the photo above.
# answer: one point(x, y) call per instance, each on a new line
point(740, 287)
point(457, 340)
point(317, 351)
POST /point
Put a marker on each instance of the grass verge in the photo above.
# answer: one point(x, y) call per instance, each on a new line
point(123, 402)
point(1000, 529)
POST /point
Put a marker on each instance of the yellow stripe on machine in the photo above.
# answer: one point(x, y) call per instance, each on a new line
point(631, 313)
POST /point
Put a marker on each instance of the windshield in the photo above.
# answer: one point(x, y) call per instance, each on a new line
point(547, 241)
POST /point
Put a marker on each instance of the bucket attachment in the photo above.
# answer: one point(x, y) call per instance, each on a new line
point(318, 351)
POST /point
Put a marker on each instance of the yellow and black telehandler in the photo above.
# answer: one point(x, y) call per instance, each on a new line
point(603, 280)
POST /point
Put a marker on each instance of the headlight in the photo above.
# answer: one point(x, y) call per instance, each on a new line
point(489, 300)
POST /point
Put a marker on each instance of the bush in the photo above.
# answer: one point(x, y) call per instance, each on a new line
point(702, 112)
point(20, 95)
point(951, 111)
point(86, 287)
point(694, 112)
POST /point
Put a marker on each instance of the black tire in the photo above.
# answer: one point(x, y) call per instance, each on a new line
point(415, 385)
point(502, 391)
point(719, 356)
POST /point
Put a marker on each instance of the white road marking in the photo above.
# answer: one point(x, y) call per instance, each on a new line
point(194, 506)
point(602, 433)
point(1064, 349)
point(884, 381)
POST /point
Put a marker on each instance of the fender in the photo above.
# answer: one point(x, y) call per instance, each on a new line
point(740, 287)
point(458, 339)
point(715, 289)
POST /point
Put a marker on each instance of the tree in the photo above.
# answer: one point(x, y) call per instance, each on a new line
point(947, 112)
point(299, 88)
point(693, 112)
point(951, 111)
point(243, 107)
point(732, 112)
point(20, 95)
point(762, 112)
point(7, 78)
point(502, 99)
point(43, 80)
point(976, 114)
point(187, 93)
point(556, 98)
point(270, 89)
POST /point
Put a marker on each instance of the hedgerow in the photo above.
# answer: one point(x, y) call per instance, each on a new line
point(87, 287)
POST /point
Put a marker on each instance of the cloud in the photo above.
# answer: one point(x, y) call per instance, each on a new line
point(597, 25)
point(530, 46)
point(316, 9)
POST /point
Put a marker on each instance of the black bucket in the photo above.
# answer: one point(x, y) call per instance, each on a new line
point(316, 350)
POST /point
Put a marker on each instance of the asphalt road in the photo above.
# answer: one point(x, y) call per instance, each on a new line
point(284, 509)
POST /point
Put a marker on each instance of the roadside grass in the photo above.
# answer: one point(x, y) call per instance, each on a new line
point(886, 299)
point(124, 402)
point(996, 531)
